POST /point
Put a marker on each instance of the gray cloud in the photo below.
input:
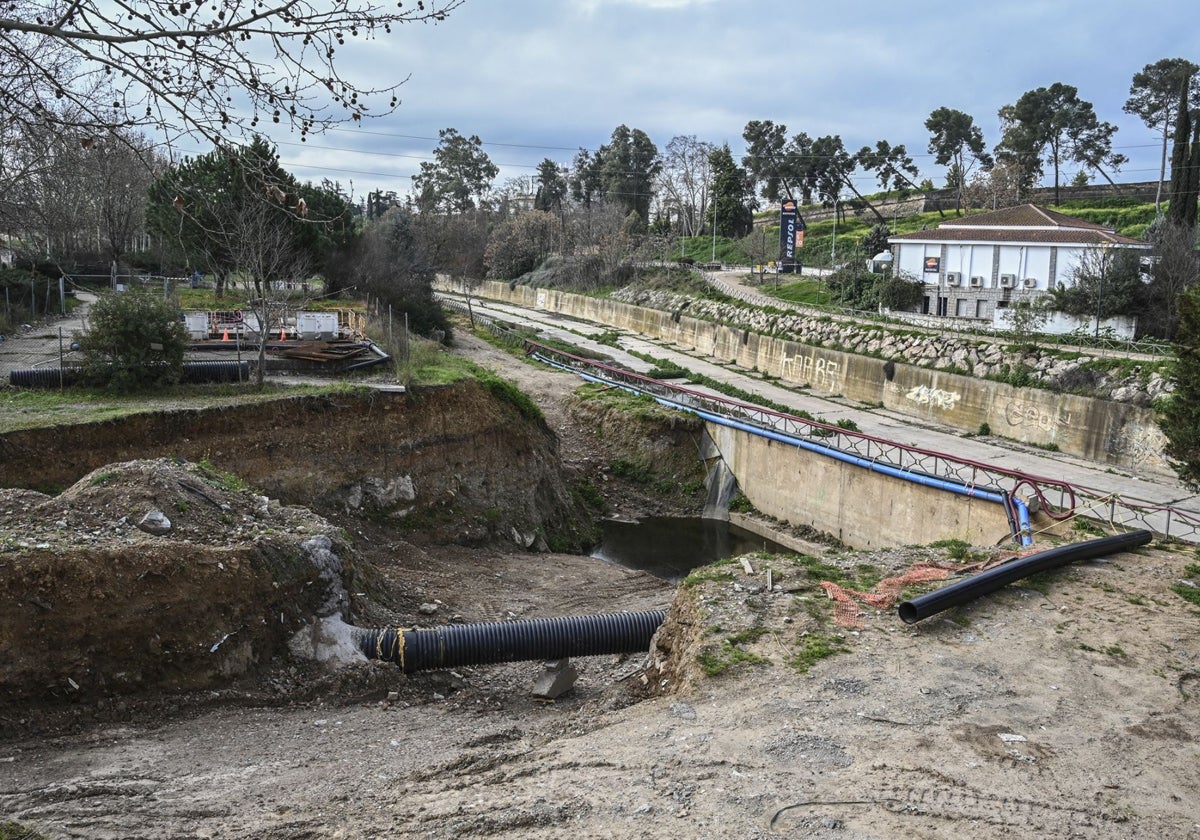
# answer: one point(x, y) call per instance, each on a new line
point(537, 78)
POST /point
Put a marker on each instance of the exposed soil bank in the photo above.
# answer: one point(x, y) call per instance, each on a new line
point(454, 460)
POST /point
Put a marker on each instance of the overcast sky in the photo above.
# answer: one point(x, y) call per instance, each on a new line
point(544, 78)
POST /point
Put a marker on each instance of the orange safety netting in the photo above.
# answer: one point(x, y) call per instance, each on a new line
point(885, 593)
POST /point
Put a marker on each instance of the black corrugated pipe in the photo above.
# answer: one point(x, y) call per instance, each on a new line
point(991, 580)
point(511, 641)
point(43, 377)
point(193, 372)
point(216, 371)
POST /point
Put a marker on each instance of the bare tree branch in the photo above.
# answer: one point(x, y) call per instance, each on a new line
point(195, 68)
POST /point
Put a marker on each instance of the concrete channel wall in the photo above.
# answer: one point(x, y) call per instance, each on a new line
point(1111, 433)
point(861, 508)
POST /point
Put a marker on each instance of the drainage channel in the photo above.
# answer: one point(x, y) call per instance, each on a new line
point(669, 547)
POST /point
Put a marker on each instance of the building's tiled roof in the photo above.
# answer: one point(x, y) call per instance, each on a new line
point(1025, 223)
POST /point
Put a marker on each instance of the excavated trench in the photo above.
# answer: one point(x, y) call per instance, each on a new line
point(669, 547)
point(279, 521)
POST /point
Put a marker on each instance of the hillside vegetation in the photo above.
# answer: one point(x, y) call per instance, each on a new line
point(1128, 216)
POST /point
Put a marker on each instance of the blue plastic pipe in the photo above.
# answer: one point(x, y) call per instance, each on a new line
point(884, 469)
point(1024, 530)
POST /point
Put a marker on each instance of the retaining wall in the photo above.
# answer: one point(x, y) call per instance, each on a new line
point(862, 508)
point(1104, 431)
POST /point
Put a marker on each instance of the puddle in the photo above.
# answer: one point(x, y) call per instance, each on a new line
point(671, 546)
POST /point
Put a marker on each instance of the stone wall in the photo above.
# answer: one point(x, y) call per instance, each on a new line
point(953, 352)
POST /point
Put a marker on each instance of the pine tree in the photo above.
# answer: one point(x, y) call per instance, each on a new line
point(1180, 419)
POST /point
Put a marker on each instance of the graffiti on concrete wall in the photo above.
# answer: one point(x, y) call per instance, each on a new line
point(935, 397)
point(1141, 446)
point(819, 372)
point(1019, 413)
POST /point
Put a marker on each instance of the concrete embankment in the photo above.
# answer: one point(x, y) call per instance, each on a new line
point(1107, 432)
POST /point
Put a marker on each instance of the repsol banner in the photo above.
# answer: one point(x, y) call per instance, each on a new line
point(791, 235)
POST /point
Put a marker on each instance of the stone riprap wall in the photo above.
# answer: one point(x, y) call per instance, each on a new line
point(966, 354)
point(1120, 434)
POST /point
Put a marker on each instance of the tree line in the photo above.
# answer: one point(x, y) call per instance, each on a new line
point(96, 95)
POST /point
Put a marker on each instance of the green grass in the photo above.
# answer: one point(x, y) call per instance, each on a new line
point(587, 494)
point(607, 338)
point(1189, 591)
point(719, 571)
point(740, 504)
point(817, 569)
point(506, 392)
point(812, 649)
point(956, 549)
point(804, 292)
point(32, 409)
point(1086, 526)
point(714, 661)
point(12, 830)
point(218, 477)
point(630, 471)
point(100, 479)
point(641, 406)
point(429, 364)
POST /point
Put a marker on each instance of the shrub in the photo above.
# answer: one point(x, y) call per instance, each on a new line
point(135, 340)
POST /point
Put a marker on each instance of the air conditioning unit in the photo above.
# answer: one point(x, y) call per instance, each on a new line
point(1029, 283)
point(1007, 281)
point(953, 278)
point(976, 282)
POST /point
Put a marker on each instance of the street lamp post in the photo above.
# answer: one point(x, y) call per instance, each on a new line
point(714, 244)
point(833, 244)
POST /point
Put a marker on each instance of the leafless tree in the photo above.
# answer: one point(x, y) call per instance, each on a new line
point(760, 248)
point(196, 68)
point(69, 194)
point(262, 246)
point(1004, 185)
point(685, 183)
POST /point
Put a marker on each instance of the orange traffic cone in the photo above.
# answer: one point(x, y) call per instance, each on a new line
point(282, 334)
point(225, 335)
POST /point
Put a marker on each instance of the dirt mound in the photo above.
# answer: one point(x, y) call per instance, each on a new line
point(155, 575)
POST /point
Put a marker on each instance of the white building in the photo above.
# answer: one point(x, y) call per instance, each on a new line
point(975, 267)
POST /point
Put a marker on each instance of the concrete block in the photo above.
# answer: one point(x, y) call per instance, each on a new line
point(556, 679)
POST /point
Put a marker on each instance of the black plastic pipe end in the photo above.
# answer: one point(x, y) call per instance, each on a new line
point(981, 584)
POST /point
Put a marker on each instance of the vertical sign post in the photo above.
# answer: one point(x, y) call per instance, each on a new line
point(791, 235)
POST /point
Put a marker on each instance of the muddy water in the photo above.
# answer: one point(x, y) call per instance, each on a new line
point(671, 546)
